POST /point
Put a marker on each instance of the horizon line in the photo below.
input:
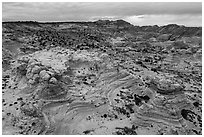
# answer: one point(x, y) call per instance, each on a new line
point(44, 22)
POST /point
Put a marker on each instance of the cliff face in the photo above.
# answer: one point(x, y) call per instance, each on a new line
point(104, 77)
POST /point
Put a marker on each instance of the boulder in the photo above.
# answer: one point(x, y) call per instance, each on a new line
point(44, 75)
point(53, 80)
point(36, 69)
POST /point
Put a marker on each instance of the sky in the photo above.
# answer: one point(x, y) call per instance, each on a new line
point(137, 13)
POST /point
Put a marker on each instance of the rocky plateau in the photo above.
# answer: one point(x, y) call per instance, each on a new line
point(101, 78)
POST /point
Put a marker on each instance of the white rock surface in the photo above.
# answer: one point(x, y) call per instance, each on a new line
point(53, 80)
point(44, 75)
point(36, 69)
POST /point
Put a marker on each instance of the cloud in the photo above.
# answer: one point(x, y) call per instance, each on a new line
point(164, 19)
point(79, 11)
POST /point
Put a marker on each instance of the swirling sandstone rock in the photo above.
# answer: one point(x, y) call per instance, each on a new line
point(166, 86)
point(86, 84)
point(52, 92)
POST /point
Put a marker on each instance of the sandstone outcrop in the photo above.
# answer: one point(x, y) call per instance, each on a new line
point(103, 77)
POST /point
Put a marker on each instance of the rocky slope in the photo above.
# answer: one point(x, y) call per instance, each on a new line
point(104, 77)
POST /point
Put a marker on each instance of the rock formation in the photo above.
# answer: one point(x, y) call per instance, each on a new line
point(103, 77)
